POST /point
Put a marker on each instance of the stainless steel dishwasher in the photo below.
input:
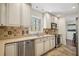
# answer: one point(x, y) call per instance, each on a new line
point(21, 48)
point(29, 48)
point(26, 48)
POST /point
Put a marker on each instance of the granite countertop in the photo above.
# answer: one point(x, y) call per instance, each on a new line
point(28, 37)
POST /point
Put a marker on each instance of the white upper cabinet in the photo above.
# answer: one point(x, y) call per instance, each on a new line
point(25, 15)
point(2, 14)
point(13, 14)
point(47, 20)
point(55, 20)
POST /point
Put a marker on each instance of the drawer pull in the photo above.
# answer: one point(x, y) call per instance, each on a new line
point(27, 42)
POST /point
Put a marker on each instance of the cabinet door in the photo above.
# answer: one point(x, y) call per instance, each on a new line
point(39, 48)
point(46, 44)
point(26, 15)
point(11, 49)
point(3, 19)
point(53, 43)
point(47, 20)
point(13, 14)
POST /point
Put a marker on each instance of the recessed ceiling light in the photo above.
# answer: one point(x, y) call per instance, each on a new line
point(73, 7)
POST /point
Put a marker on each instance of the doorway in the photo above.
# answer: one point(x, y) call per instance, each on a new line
point(71, 32)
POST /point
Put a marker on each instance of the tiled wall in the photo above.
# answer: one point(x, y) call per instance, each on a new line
point(12, 32)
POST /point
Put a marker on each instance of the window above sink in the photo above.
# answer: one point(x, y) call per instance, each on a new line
point(35, 24)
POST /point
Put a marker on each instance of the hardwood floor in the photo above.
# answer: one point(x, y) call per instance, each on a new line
point(61, 51)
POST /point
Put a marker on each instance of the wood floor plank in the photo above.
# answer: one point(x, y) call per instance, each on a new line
point(61, 51)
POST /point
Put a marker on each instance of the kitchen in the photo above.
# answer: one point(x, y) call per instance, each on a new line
point(27, 29)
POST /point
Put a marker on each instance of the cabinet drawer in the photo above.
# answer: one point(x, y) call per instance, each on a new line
point(52, 37)
point(45, 39)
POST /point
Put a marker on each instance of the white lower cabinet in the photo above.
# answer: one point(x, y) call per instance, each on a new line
point(34, 47)
point(22, 48)
point(39, 48)
point(52, 42)
point(46, 45)
point(11, 49)
point(43, 45)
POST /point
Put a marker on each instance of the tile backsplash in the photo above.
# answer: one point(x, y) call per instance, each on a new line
point(50, 31)
point(12, 32)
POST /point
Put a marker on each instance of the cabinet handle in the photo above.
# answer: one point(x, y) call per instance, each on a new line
point(27, 42)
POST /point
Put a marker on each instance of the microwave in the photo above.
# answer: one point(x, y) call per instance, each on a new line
point(53, 26)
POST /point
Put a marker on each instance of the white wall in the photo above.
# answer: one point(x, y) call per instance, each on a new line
point(70, 20)
point(62, 30)
point(36, 13)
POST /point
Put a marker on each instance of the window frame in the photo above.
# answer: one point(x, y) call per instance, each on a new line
point(36, 31)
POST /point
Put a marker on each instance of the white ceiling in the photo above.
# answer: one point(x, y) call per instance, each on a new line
point(59, 9)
